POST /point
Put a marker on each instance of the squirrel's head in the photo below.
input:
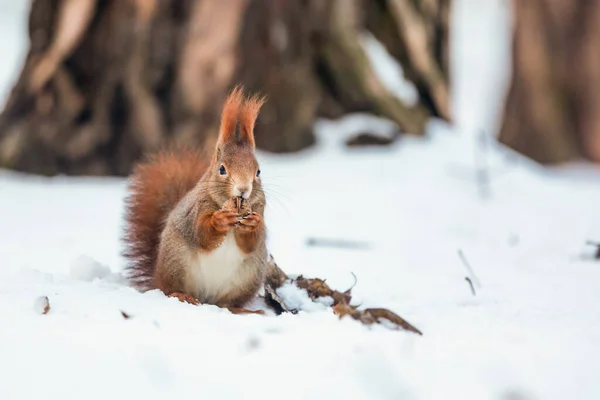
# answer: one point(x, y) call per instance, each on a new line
point(235, 170)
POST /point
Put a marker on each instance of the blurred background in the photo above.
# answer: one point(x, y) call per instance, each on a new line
point(89, 86)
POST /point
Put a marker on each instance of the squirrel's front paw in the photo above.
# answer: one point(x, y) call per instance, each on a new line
point(224, 220)
point(185, 298)
point(250, 222)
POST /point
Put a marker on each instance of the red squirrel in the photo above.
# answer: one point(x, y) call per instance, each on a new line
point(194, 223)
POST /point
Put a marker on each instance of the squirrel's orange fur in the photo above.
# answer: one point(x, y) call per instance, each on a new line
point(178, 217)
point(155, 187)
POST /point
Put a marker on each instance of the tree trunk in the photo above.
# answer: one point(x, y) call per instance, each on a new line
point(106, 81)
point(552, 112)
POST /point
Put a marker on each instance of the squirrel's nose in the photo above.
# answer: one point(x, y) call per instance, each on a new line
point(243, 191)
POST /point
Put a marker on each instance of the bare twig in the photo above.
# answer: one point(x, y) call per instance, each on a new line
point(339, 243)
point(471, 285)
point(597, 245)
point(463, 258)
point(354, 284)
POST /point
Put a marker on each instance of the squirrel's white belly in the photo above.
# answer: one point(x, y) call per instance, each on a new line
point(215, 274)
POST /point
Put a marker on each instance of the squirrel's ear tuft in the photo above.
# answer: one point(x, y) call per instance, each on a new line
point(248, 114)
point(229, 115)
point(238, 118)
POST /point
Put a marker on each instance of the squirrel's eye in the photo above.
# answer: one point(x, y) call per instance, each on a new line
point(222, 170)
point(258, 173)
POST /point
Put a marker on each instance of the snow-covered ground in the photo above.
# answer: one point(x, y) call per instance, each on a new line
point(532, 330)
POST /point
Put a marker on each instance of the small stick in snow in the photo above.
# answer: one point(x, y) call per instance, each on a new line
point(468, 267)
point(471, 285)
point(339, 243)
point(125, 315)
point(597, 245)
point(354, 284)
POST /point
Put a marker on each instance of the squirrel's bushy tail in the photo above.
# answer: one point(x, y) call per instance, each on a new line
point(155, 188)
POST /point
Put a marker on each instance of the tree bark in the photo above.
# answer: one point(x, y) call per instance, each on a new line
point(552, 112)
point(106, 81)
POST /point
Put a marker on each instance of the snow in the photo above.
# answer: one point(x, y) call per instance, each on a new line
point(87, 269)
point(297, 299)
point(532, 329)
point(41, 305)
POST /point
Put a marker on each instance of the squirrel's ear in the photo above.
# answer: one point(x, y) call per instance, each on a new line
point(229, 116)
point(248, 114)
point(238, 118)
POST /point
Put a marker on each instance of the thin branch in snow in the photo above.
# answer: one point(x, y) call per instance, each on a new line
point(597, 245)
point(354, 284)
point(465, 262)
point(339, 243)
point(471, 285)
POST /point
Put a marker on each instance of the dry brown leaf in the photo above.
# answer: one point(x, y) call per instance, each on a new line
point(385, 314)
point(371, 316)
point(316, 288)
point(344, 309)
point(341, 297)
